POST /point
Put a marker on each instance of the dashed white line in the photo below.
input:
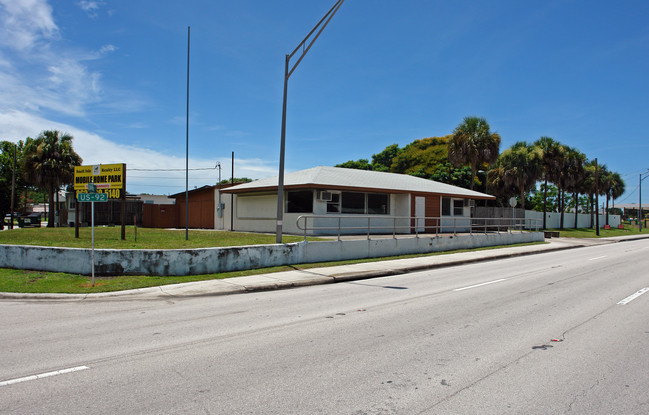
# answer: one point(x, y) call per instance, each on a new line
point(479, 285)
point(43, 375)
point(633, 296)
point(597, 257)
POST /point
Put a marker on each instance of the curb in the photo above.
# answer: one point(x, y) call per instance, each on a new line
point(406, 270)
point(152, 293)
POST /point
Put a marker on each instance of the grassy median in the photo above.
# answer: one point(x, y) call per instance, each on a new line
point(628, 230)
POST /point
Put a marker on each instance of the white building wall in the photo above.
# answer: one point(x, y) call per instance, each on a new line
point(257, 213)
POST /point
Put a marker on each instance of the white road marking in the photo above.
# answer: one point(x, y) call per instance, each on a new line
point(479, 285)
point(43, 375)
point(633, 296)
point(598, 257)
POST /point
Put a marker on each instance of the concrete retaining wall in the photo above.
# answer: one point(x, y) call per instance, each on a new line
point(214, 260)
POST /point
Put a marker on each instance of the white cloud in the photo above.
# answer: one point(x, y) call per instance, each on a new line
point(94, 149)
point(25, 23)
point(37, 72)
point(91, 7)
point(107, 49)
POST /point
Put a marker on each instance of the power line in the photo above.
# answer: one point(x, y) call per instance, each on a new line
point(204, 168)
point(169, 177)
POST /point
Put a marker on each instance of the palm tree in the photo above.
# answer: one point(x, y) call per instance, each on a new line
point(518, 167)
point(496, 182)
point(576, 173)
point(551, 154)
point(612, 186)
point(569, 164)
point(473, 144)
point(588, 187)
point(48, 163)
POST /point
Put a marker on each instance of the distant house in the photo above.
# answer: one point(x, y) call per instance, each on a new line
point(204, 210)
point(333, 194)
point(156, 199)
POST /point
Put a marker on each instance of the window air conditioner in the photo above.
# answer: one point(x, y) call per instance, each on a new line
point(324, 196)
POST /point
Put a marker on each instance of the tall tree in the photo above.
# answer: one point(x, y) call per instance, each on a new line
point(550, 156)
point(360, 164)
point(576, 173)
point(48, 163)
point(518, 167)
point(593, 182)
point(10, 175)
point(569, 163)
point(383, 161)
point(612, 186)
point(473, 144)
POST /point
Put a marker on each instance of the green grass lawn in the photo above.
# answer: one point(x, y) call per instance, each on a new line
point(22, 281)
point(603, 233)
point(109, 237)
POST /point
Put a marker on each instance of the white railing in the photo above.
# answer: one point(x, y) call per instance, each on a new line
point(385, 225)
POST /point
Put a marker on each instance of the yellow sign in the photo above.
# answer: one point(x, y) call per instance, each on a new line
point(107, 177)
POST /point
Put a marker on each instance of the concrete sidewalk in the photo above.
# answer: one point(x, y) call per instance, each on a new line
point(325, 275)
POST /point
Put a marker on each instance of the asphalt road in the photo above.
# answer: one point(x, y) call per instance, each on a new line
point(474, 339)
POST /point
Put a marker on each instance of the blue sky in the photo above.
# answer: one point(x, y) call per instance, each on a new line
point(113, 74)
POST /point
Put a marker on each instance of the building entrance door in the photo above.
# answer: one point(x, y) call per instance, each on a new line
point(420, 212)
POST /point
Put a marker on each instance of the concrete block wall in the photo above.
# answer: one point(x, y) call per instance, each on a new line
point(215, 260)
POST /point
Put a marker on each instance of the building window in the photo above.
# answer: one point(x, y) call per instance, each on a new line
point(458, 207)
point(446, 206)
point(353, 202)
point(300, 201)
point(377, 204)
point(359, 203)
point(452, 207)
point(333, 205)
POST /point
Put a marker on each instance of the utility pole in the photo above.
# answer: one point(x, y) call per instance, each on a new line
point(287, 74)
point(187, 147)
point(596, 198)
point(232, 197)
point(13, 188)
point(640, 215)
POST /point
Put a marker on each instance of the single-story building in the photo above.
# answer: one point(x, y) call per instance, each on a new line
point(334, 197)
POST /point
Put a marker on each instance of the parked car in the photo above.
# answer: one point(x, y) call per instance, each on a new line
point(33, 219)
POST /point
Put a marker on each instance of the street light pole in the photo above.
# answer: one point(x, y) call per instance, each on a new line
point(596, 198)
point(640, 216)
point(288, 70)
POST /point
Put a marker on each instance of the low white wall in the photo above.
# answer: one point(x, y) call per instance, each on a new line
point(553, 219)
point(214, 260)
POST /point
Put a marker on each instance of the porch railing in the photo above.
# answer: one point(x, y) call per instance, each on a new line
point(399, 225)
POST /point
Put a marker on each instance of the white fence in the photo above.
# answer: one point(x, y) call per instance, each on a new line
point(553, 219)
point(394, 225)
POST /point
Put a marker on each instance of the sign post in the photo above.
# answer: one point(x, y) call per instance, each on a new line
point(109, 179)
point(513, 202)
point(92, 196)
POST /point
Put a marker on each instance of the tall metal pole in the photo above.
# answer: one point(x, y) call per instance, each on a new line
point(13, 188)
point(596, 199)
point(287, 74)
point(232, 197)
point(280, 185)
point(92, 230)
point(187, 147)
point(640, 215)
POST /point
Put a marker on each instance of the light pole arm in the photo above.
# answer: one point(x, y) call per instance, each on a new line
point(288, 70)
point(330, 14)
